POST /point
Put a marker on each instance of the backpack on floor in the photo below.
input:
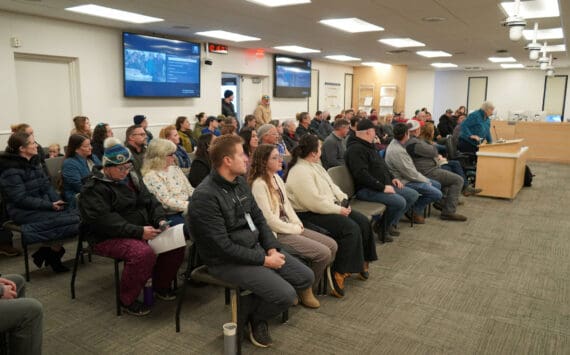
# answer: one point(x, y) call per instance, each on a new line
point(528, 175)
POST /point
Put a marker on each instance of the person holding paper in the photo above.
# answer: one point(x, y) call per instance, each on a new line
point(118, 216)
point(233, 239)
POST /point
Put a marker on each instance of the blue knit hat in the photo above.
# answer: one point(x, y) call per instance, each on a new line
point(115, 153)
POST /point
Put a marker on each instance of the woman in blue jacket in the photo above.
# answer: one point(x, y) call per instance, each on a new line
point(77, 166)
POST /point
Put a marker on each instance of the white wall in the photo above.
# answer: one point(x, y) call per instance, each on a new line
point(99, 54)
point(420, 86)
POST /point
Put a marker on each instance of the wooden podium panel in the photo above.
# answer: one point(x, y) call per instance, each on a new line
point(500, 168)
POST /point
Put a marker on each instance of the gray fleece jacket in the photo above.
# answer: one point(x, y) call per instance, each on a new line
point(401, 165)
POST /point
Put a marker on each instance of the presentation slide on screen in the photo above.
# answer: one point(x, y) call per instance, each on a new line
point(293, 77)
point(160, 67)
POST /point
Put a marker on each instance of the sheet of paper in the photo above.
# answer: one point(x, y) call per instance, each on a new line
point(170, 239)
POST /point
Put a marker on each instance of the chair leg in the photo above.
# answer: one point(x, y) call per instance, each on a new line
point(117, 287)
point(227, 293)
point(181, 294)
point(285, 317)
point(26, 261)
point(239, 332)
point(78, 252)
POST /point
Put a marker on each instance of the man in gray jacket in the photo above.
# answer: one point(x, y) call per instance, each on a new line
point(332, 150)
point(402, 167)
point(426, 159)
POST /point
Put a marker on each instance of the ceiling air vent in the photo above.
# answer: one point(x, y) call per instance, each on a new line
point(398, 51)
point(473, 68)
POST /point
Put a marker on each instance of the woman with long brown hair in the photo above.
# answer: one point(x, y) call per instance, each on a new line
point(269, 192)
point(82, 126)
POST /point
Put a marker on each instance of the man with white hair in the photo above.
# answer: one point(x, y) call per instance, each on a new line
point(475, 128)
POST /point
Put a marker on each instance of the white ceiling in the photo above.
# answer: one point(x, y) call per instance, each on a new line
point(471, 31)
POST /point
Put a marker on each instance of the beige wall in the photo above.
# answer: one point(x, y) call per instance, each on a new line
point(395, 75)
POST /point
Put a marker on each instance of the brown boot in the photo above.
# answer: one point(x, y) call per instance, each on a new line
point(307, 298)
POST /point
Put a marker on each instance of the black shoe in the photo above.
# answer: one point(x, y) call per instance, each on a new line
point(53, 259)
point(166, 294)
point(259, 334)
point(437, 205)
point(393, 231)
point(136, 308)
point(364, 274)
point(40, 256)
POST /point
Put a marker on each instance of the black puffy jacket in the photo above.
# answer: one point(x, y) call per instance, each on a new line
point(216, 216)
point(366, 166)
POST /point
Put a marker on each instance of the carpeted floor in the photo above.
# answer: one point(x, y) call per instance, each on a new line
point(497, 284)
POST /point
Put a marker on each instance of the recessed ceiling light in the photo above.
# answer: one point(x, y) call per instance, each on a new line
point(548, 33)
point(352, 25)
point(377, 65)
point(444, 65)
point(342, 57)
point(512, 66)
point(230, 36)
point(433, 54)
point(556, 48)
point(297, 49)
point(502, 59)
point(401, 42)
point(533, 9)
point(113, 14)
point(277, 3)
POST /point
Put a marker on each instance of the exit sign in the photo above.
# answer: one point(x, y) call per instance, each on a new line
point(217, 48)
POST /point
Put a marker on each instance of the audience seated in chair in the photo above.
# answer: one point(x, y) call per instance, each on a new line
point(26, 128)
point(372, 178)
point(402, 168)
point(237, 245)
point(165, 180)
point(200, 125)
point(22, 318)
point(250, 143)
point(135, 141)
point(427, 161)
point(304, 119)
point(318, 201)
point(289, 137)
point(333, 148)
point(118, 216)
point(185, 133)
point(82, 126)
point(271, 197)
point(54, 150)
point(181, 157)
point(212, 124)
point(32, 202)
point(101, 132)
point(77, 166)
point(200, 167)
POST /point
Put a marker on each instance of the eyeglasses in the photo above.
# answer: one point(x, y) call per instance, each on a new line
point(124, 168)
point(138, 134)
point(171, 155)
point(277, 157)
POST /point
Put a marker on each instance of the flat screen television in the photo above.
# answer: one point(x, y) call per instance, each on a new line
point(160, 67)
point(291, 77)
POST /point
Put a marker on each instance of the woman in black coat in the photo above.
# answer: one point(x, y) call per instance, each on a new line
point(200, 167)
point(32, 202)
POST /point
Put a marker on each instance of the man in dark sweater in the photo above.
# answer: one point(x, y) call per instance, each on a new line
point(372, 178)
point(234, 240)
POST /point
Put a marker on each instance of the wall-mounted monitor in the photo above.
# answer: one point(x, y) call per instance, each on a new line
point(160, 67)
point(291, 77)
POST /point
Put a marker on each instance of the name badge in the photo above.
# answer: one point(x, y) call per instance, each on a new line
point(250, 222)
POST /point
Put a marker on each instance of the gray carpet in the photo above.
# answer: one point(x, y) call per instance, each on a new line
point(497, 284)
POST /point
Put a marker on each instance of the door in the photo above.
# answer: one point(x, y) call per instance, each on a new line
point(231, 82)
point(252, 89)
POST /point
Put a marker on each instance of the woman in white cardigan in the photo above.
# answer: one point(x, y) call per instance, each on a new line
point(165, 180)
point(271, 197)
point(317, 200)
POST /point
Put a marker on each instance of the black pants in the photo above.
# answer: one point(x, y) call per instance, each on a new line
point(466, 147)
point(353, 236)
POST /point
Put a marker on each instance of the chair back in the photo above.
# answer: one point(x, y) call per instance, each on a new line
point(54, 166)
point(342, 178)
point(451, 146)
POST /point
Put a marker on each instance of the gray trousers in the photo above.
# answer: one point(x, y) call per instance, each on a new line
point(21, 318)
point(319, 249)
point(451, 186)
point(274, 291)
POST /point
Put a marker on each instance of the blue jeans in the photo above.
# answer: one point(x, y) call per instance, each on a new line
point(428, 193)
point(396, 204)
point(455, 167)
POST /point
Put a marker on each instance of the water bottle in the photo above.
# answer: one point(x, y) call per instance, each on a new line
point(148, 293)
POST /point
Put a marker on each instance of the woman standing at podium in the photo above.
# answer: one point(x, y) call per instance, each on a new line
point(475, 128)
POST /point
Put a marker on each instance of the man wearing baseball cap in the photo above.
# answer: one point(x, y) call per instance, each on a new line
point(263, 112)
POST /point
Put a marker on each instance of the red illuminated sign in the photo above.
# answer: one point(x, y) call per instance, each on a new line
point(217, 48)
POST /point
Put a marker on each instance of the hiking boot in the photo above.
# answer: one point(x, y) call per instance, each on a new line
point(393, 232)
point(259, 334)
point(336, 283)
point(136, 308)
point(364, 274)
point(453, 217)
point(165, 294)
point(419, 219)
point(307, 298)
point(470, 191)
point(8, 250)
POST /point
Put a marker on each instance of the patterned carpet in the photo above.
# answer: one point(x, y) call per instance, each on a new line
point(497, 284)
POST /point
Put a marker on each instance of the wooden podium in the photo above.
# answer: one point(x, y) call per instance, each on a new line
point(500, 168)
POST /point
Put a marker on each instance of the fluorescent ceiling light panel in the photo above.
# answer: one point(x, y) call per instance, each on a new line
point(377, 65)
point(512, 66)
point(113, 14)
point(433, 54)
point(401, 42)
point(547, 33)
point(444, 65)
point(297, 49)
point(533, 9)
point(278, 3)
point(352, 25)
point(556, 48)
point(230, 36)
point(502, 59)
point(342, 57)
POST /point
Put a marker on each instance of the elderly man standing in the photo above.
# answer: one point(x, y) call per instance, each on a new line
point(263, 112)
point(475, 128)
